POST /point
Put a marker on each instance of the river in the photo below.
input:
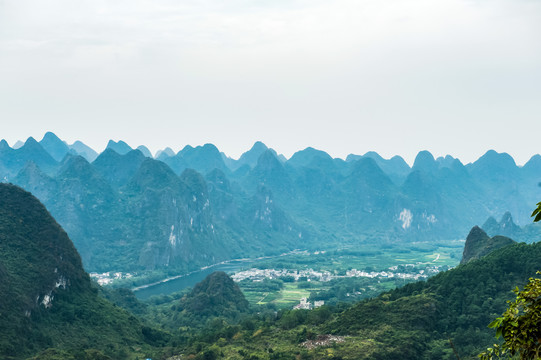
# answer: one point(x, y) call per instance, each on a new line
point(181, 282)
point(189, 280)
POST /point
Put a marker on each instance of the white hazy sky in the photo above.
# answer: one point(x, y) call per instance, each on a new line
point(454, 77)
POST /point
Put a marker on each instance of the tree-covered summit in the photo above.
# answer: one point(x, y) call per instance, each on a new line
point(47, 299)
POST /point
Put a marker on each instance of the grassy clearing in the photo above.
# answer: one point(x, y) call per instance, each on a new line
point(291, 294)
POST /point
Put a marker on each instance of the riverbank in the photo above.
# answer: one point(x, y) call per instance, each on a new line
point(179, 282)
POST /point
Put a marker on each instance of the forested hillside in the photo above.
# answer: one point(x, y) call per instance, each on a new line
point(48, 301)
point(418, 321)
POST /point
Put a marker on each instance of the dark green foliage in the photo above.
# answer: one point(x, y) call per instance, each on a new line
point(520, 325)
point(126, 299)
point(416, 321)
point(47, 298)
point(466, 297)
point(216, 296)
point(347, 290)
point(266, 285)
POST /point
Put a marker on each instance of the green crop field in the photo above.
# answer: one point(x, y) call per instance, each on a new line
point(418, 258)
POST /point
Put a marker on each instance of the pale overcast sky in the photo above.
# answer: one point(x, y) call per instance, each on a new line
point(454, 77)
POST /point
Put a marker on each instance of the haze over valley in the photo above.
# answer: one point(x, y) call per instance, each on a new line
point(129, 212)
point(270, 180)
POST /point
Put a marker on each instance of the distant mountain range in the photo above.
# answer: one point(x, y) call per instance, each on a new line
point(127, 211)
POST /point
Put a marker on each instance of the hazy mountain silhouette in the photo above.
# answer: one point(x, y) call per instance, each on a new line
point(85, 151)
point(120, 147)
point(54, 146)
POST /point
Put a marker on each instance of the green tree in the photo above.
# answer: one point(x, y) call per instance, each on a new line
point(520, 324)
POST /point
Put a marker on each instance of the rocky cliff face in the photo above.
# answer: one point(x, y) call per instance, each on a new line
point(479, 244)
point(178, 220)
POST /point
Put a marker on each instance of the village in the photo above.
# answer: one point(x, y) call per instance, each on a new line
point(108, 278)
point(407, 272)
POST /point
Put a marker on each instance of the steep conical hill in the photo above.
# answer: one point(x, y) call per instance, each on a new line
point(424, 161)
point(493, 167)
point(120, 147)
point(250, 157)
point(29, 236)
point(54, 146)
point(508, 226)
point(145, 151)
point(47, 298)
point(479, 244)
point(216, 295)
point(269, 171)
point(84, 150)
point(165, 153)
point(203, 158)
point(396, 167)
